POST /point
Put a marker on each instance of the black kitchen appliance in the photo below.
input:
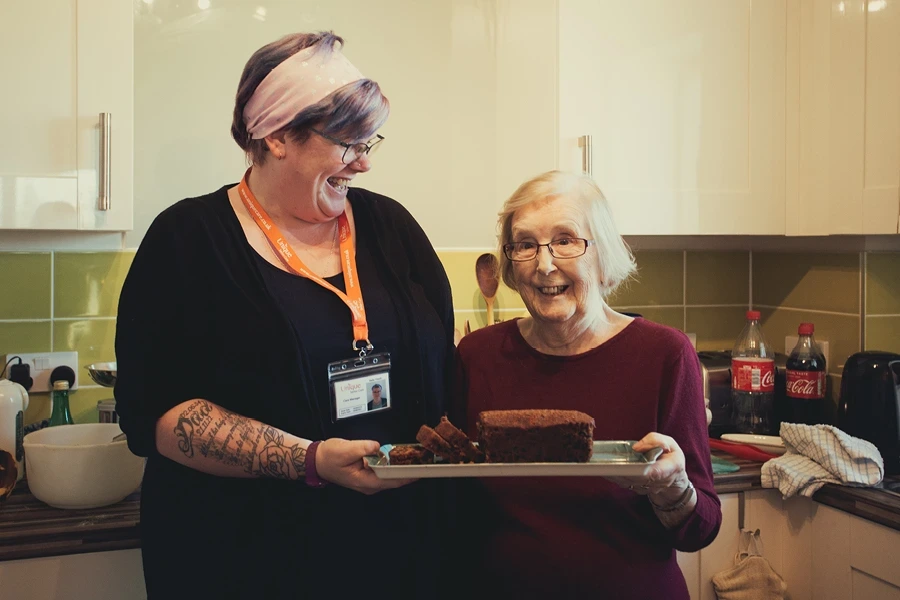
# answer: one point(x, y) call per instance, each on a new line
point(715, 368)
point(869, 406)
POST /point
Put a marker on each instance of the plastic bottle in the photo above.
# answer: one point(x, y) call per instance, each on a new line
point(805, 381)
point(59, 397)
point(752, 380)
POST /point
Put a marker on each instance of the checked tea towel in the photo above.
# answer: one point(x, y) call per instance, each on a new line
point(820, 454)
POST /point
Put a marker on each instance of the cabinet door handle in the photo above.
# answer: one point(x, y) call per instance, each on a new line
point(105, 139)
point(587, 158)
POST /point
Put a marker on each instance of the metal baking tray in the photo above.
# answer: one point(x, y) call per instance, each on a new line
point(612, 458)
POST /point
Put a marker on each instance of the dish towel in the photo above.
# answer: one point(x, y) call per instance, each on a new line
point(820, 454)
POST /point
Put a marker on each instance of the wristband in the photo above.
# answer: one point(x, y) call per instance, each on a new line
point(685, 497)
point(312, 476)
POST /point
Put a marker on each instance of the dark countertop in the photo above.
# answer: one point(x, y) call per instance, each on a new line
point(29, 528)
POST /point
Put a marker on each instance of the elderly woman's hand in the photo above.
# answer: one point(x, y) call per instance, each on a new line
point(666, 479)
point(342, 462)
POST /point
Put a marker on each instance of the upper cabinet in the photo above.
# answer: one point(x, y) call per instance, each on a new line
point(849, 133)
point(684, 103)
point(705, 117)
point(63, 166)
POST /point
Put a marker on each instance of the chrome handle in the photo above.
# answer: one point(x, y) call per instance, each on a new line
point(105, 138)
point(587, 158)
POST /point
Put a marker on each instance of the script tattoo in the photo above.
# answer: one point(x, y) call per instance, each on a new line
point(194, 419)
point(234, 440)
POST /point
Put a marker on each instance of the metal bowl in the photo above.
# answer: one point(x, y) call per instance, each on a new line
point(103, 373)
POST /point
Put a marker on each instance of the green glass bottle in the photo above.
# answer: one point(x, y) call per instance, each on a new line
point(60, 414)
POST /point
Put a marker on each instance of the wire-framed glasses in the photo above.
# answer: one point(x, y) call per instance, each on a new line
point(564, 248)
point(353, 151)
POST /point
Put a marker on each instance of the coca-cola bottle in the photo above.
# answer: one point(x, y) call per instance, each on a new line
point(805, 379)
point(752, 380)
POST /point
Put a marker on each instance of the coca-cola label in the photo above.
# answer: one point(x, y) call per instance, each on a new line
point(753, 374)
point(805, 384)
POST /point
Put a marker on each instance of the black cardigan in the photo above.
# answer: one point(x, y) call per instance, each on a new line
point(196, 320)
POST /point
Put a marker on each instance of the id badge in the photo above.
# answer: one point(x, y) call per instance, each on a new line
point(360, 386)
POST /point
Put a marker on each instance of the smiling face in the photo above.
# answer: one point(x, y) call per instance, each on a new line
point(318, 180)
point(557, 290)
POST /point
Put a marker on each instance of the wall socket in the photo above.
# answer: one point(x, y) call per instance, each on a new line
point(791, 340)
point(43, 363)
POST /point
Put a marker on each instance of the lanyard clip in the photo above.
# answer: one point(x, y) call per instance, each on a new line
point(364, 349)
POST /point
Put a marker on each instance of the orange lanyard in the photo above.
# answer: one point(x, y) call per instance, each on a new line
point(353, 298)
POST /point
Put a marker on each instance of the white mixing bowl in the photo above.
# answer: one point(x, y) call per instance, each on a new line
point(79, 466)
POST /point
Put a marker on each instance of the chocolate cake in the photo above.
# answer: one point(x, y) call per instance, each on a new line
point(429, 438)
point(410, 455)
point(459, 441)
point(537, 435)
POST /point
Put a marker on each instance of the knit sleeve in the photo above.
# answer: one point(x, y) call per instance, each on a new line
point(151, 332)
point(682, 417)
point(427, 270)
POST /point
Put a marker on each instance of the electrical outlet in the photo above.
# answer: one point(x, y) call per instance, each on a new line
point(43, 363)
point(791, 340)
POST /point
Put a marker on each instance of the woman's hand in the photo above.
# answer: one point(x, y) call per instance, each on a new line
point(341, 462)
point(666, 479)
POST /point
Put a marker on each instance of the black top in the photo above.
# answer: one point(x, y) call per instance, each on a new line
point(198, 319)
point(323, 321)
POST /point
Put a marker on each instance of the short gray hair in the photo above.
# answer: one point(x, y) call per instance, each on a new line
point(614, 256)
point(353, 112)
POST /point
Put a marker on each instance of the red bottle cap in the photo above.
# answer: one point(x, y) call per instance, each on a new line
point(806, 329)
point(753, 314)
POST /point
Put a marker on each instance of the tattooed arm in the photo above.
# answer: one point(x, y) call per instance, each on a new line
point(206, 437)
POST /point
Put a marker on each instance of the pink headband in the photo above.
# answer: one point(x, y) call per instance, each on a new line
point(298, 82)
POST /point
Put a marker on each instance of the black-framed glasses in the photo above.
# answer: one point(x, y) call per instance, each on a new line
point(352, 151)
point(564, 248)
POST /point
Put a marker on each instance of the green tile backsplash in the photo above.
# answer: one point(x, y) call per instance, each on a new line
point(659, 281)
point(87, 284)
point(804, 280)
point(883, 284)
point(717, 278)
point(63, 301)
point(67, 301)
point(26, 288)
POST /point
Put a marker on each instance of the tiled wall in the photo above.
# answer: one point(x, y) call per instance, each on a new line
point(63, 301)
point(60, 302)
point(706, 293)
point(882, 293)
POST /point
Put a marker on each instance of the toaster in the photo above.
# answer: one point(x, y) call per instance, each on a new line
point(715, 367)
point(869, 406)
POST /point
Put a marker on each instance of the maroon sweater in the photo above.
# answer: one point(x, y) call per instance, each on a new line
point(568, 536)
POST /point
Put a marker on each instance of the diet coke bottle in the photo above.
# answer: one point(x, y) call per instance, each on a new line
point(752, 380)
point(806, 378)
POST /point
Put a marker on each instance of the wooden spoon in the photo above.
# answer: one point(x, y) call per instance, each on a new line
point(487, 273)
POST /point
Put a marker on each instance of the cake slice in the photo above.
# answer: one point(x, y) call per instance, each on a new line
point(431, 440)
point(410, 455)
point(536, 435)
point(459, 441)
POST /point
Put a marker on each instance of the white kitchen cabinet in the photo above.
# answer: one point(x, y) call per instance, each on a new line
point(853, 558)
point(849, 119)
point(685, 103)
point(65, 62)
point(114, 575)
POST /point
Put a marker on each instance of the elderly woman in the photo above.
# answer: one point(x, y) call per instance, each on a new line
point(585, 537)
point(251, 326)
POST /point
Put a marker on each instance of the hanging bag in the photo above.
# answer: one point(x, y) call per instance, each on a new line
point(751, 577)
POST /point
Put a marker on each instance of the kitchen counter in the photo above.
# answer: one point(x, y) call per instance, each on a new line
point(876, 504)
point(29, 528)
